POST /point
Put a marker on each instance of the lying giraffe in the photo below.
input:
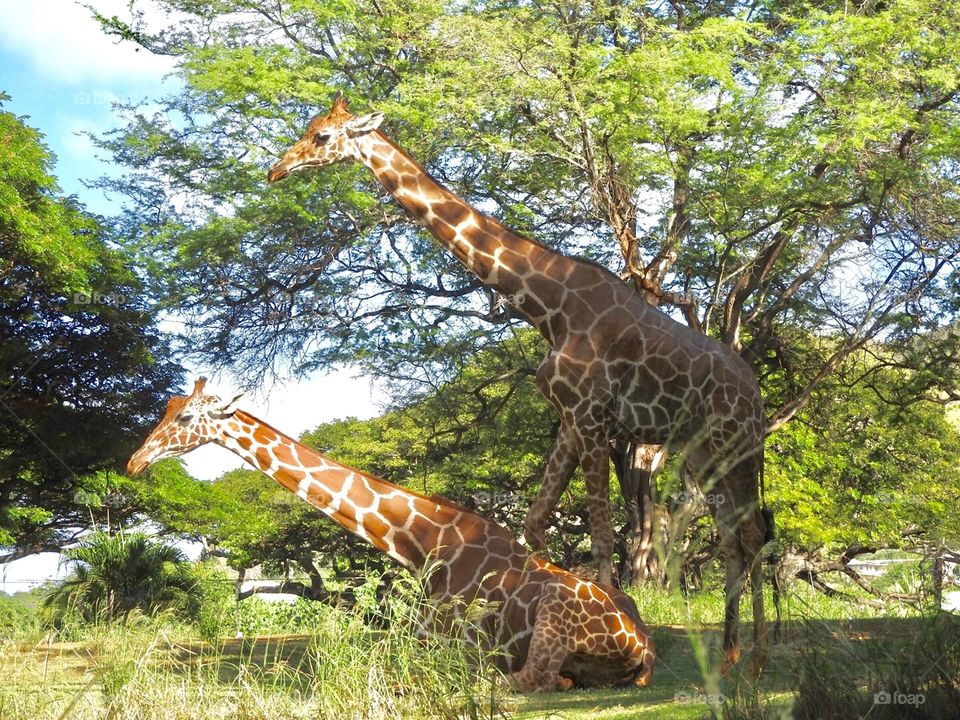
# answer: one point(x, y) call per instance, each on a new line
point(555, 630)
point(617, 368)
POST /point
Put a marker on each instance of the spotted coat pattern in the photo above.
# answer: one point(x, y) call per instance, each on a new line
point(617, 368)
point(553, 629)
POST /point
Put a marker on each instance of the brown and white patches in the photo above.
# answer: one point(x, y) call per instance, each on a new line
point(542, 616)
point(587, 315)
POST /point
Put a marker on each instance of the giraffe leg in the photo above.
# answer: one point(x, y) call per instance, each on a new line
point(753, 534)
point(547, 651)
point(563, 461)
point(596, 474)
point(741, 513)
point(735, 576)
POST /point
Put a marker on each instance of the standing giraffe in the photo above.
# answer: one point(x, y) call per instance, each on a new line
point(554, 628)
point(617, 367)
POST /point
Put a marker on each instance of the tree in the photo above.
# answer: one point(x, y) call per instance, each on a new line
point(113, 575)
point(767, 170)
point(251, 521)
point(83, 369)
point(39, 229)
point(863, 470)
point(782, 177)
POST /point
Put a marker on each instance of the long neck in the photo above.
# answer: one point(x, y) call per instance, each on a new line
point(408, 527)
point(513, 265)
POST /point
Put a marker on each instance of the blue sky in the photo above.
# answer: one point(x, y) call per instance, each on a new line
point(63, 73)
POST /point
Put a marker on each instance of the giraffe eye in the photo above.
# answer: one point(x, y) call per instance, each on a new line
point(185, 418)
point(321, 138)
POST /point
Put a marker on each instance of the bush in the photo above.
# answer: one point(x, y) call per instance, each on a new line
point(215, 612)
point(18, 614)
point(256, 616)
point(211, 605)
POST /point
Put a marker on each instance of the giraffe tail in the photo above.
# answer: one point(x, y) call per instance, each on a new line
point(641, 674)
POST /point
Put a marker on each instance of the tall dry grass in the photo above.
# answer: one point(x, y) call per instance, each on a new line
point(143, 668)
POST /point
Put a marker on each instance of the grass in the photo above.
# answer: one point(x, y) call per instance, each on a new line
point(156, 668)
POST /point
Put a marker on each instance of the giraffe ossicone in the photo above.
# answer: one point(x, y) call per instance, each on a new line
point(617, 368)
point(552, 629)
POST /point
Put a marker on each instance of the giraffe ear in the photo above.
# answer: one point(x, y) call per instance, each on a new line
point(364, 123)
point(228, 408)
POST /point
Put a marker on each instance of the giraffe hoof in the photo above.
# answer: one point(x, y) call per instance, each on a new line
point(643, 679)
point(731, 658)
point(564, 684)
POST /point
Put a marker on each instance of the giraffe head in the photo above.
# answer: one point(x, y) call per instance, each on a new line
point(329, 138)
point(190, 421)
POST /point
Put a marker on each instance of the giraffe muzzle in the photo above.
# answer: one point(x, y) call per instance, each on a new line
point(141, 460)
point(277, 172)
point(135, 468)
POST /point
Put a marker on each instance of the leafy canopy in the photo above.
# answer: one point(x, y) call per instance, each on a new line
point(772, 172)
point(83, 368)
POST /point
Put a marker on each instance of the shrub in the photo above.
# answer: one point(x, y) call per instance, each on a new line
point(18, 614)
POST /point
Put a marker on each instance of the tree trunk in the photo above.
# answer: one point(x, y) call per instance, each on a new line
point(636, 466)
point(938, 569)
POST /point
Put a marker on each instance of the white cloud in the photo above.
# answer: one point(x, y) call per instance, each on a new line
point(61, 41)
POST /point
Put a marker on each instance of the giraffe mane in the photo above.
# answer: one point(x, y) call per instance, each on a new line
point(403, 153)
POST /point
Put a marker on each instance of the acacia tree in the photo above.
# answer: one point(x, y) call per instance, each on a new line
point(782, 178)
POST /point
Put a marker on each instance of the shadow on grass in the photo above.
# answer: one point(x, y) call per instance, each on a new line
point(287, 660)
point(679, 689)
